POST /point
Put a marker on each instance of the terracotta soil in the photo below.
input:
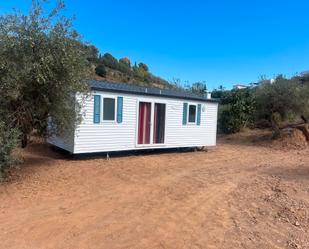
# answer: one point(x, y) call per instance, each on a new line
point(241, 194)
point(292, 138)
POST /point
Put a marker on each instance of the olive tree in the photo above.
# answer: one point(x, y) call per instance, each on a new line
point(42, 64)
point(282, 101)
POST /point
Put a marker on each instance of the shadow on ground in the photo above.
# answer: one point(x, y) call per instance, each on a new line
point(117, 154)
point(261, 138)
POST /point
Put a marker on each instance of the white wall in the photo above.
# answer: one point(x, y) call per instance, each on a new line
point(111, 136)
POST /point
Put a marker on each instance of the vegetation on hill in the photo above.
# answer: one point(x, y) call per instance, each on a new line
point(107, 67)
point(271, 104)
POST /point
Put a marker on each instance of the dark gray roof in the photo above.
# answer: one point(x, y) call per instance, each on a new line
point(140, 90)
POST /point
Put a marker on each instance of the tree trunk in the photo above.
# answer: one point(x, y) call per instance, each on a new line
point(24, 141)
point(304, 118)
point(305, 130)
point(275, 126)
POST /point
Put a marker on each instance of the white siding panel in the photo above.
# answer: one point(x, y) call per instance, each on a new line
point(111, 136)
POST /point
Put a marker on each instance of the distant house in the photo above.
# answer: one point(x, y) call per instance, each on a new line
point(119, 117)
point(240, 86)
point(255, 84)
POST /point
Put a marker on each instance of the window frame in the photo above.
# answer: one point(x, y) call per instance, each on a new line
point(115, 108)
point(165, 120)
point(188, 118)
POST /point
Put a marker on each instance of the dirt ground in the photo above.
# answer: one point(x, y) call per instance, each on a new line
point(241, 194)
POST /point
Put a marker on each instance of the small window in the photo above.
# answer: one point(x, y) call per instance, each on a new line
point(109, 109)
point(192, 113)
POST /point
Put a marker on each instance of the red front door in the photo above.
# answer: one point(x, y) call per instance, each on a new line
point(144, 120)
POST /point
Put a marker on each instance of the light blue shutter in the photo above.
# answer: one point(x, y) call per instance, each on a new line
point(198, 121)
point(119, 109)
point(96, 109)
point(185, 113)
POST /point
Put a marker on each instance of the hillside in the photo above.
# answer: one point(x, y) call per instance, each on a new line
point(107, 67)
point(115, 75)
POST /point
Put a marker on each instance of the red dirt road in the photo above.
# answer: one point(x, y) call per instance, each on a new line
point(241, 194)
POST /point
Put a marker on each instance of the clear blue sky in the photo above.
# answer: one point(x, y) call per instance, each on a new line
point(220, 42)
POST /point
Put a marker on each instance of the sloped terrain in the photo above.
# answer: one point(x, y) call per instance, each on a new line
point(293, 138)
point(242, 194)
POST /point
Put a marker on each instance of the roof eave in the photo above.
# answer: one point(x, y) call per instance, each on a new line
point(154, 94)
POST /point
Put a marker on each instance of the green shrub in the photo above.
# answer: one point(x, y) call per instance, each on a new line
point(272, 104)
point(199, 88)
point(143, 66)
point(124, 67)
point(8, 142)
point(236, 111)
point(283, 101)
point(100, 70)
point(226, 122)
point(110, 61)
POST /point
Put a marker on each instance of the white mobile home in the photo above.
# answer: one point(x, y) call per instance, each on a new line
point(118, 117)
